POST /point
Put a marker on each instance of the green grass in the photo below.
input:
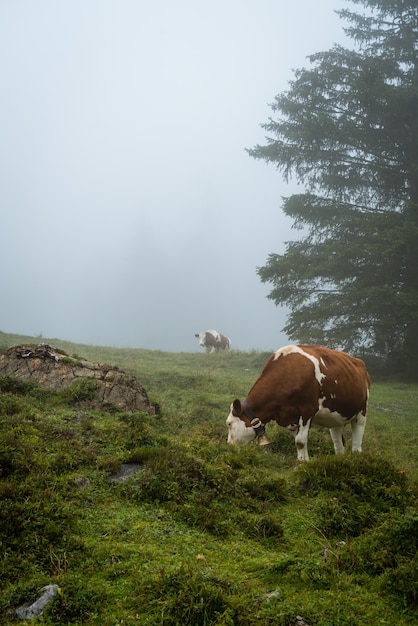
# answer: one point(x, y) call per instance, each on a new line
point(204, 534)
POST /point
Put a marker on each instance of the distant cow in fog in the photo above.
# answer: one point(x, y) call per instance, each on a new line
point(213, 341)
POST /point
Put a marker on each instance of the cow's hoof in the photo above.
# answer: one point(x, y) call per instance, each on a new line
point(263, 441)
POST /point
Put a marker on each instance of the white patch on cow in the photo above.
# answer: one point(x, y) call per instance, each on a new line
point(301, 440)
point(238, 433)
point(215, 335)
point(296, 350)
point(328, 419)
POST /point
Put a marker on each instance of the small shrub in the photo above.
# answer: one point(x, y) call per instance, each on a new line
point(188, 596)
point(353, 491)
point(202, 510)
point(345, 515)
point(77, 602)
point(32, 525)
point(385, 547)
point(141, 429)
point(9, 384)
point(72, 361)
point(359, 474)
point(79, 390)
point(206, 495)
point(265, 488)
point(109, 464)
point(171, 474)
point(134, 419)
point(268, 527)
point(140, 454)
point(17, 455)
point(401, 584)
point(9, 405)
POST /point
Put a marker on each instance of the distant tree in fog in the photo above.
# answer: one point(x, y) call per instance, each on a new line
point(347, 129)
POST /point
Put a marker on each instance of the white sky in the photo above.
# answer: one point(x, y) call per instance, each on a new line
point(130, 213)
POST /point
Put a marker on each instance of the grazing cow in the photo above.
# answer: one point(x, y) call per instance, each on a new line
point(213, 341)
point(302, 386)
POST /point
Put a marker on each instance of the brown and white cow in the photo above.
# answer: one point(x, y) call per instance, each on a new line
point(213, 341)
point(303, 386)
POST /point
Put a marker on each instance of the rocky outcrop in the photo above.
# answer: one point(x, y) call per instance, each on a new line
point(53, 368)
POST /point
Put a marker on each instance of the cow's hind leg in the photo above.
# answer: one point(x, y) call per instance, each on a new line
point(358, 424)
point(337, 439)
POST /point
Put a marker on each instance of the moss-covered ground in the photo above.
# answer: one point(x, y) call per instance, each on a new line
point(202, 534)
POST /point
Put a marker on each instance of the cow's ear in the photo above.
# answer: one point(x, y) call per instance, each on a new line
point(236, 406)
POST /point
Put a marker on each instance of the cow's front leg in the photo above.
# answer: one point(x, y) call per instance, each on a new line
point(301, 439)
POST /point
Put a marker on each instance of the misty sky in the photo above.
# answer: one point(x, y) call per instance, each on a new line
point(130, 213)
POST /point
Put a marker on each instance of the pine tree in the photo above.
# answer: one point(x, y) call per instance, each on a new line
point(347, 129)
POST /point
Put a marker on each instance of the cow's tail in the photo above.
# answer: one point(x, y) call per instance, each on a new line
point(366, 402)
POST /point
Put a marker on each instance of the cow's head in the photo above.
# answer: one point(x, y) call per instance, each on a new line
point(202, 339)
point(240, 430)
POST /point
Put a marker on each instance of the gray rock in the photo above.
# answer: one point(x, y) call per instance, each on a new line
point(35, 609)
point(52, 368)
point(125, 471)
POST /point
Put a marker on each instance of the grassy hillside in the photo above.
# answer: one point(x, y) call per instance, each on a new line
point(203, 534)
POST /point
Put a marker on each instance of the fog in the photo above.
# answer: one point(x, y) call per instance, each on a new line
point(130, 213)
